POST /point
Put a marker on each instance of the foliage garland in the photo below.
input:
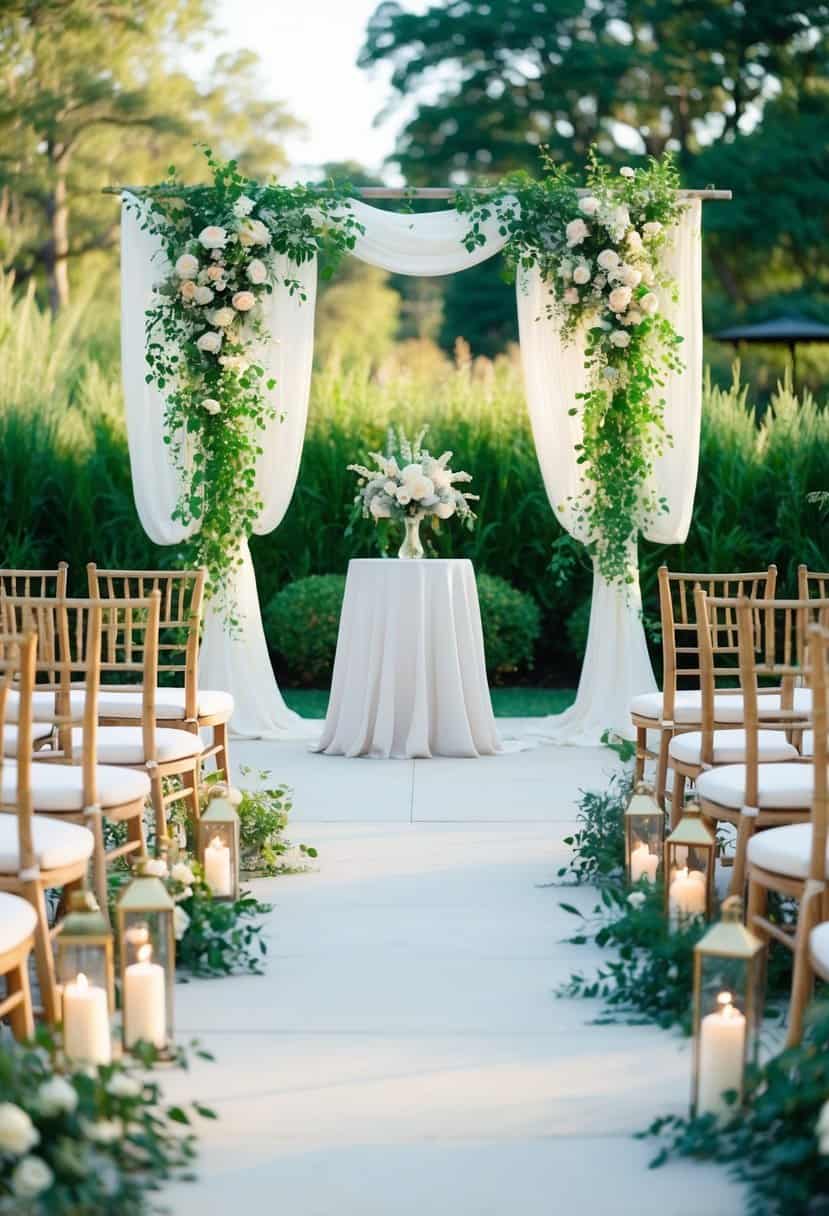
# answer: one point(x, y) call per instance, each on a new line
point(600, 254)
point(205, 331)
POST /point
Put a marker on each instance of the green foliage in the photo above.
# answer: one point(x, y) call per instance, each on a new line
point(263, 818)
point(511, 624)
point(773, 1143)
point(301, 624)
point(99, 1140)
point(598, 846)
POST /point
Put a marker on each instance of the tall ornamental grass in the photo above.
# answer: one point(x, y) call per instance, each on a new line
point(66, 492)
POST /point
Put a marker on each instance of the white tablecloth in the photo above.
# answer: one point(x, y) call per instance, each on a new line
point(409, 674)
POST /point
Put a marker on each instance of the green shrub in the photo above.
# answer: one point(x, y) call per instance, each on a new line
point(511, 624)
point(301, 624)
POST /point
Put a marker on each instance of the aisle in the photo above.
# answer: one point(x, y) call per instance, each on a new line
point(405, 1053)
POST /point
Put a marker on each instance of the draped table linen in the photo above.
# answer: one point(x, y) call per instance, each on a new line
point(409, 673)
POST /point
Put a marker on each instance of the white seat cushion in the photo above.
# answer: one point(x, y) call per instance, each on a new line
point(43, 705)
point(40, 731)
point(781, 786)
point(819, 947)
point(125, 744)
point(59, 787)
point(56, 844)
point(807, 747)
point(17, 921)
point(730, 747)
point(169, 704)
point(728, 706)
point(784, 850)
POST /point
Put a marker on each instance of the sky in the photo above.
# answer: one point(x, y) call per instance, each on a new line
point(309, 55)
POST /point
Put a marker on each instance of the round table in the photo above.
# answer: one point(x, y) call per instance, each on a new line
point(409, 673)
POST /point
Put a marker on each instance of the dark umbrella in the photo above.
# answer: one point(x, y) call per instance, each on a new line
point(780, 331)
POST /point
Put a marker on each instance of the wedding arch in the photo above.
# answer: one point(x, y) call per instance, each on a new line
point(556, 359)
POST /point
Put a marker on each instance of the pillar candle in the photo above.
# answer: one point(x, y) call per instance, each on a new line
point(217, 867)
point(86, 1036)
point(721, 1054)
point(643, 862)
point(686, 895)
point(145, 1009)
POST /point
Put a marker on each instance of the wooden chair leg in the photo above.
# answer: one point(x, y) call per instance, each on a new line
point(135, 835)
point(677, 798)
point(756, 906)
point(745, 831)
point(662, 767)
point(21, 1018)
point(220, 741)
point(44, 958)
point(157, 799)
point(194, 805)
point(95, 823)
point(802, 976)
point(641, 748)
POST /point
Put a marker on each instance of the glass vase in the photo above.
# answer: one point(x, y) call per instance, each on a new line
point(412, 548)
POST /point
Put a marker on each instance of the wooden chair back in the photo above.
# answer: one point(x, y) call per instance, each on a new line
point(42, 583)
point(678, 615)
point(181, 601)
point(18, 655)
point(817, 649)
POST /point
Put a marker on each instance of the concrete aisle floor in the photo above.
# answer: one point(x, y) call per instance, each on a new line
point(405, 1052)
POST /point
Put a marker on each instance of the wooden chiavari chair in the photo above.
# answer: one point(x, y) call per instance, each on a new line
point(36, 853)
point(179, 702)
point(678, 708)
point(51, 584)
point(754, 796)
point(792, 859)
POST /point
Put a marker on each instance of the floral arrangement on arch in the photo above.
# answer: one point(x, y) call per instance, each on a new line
point(600, 250)
point(411, 483)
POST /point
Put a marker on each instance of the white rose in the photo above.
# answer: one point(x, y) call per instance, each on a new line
point(223, 317)
point(257, 271)
point(210, 342)
point(211, 406)
point(626, 171)
point(234, 363)
point(213, 237)
point(582, 273)
point(588, 205)
point(187, 266)
point(203, 295)
point(243, 206)
point(576, 231)
point(620, 219)
point(244, 301)
point(403, 495)
point(215, 272)
point(253, 232)
point(649, 304)
point(124, 1086)
point(188, 290)
point(379, 508)
point(445, 510)
point(180, 922)
point(420, 487)
point(391, 488)
point(634, 241)
point(441, 477)
point(652, 228)
point(156, 867)
point(571, 295)
point(620, 338)
point(31, 1177)
point(632, 317)
point(619, 298)
point(631, 276)
point(17, 1132)
point(181, 872)
point(56, 1097)
point(103, 1131)
point(608, 259)
point(636, 899)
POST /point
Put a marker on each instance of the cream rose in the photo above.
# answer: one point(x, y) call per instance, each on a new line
point(103, 1131)
point(582, 273)
point(652, 228)
point(380, 509)
point(211, 405)
point(576, 232)
point(649, 304)
point(56, 1097)
point(619, 298)
point(210, 343)
point(156, 867)
point(634, 241)
point(626, 171)
point(181, 922)
point(213, 237)
point(17, 1132)
point(234, 363)
point(187, 266)
point(445, 510)
point(124, 1086)
point(223, 317)
point(633, 316)
point(243, 206)
point(571, 295)
point(188, 290)
point(588, 205)
point(244, 301)
point(620, 338)
point(631, 277)
point(215, 272)
point(608, 259)
point(31, 1177)
point(257, 271)
point(203, 295)
point(253, 232)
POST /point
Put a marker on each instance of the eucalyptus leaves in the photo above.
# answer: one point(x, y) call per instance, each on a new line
point(223, 243)
point(600, 252)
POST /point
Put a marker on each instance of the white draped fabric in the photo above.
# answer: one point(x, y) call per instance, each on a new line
point(616, 665)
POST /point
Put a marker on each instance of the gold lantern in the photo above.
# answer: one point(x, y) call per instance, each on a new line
point(146, 944)
point(728, 1009)
point(644, 834)
point(690, 853)
point(217, 842)
point(85, 975)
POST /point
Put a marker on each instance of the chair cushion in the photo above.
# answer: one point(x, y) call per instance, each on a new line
point(17, 921)
point(728, 706)
point(56, 844)
point(59, 787)
point(730, 746)
point(169, 704)
point(40, 731)
point(819, 948)
point(125, 744)
point(784, 850)
point(781, 786)
point(43, 705)
point(807, 746)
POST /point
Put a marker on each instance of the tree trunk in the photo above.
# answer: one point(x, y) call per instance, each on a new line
point(57, 250)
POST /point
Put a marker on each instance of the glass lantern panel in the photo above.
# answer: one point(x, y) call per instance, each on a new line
point(725, 1033)
point(82, 958)
point(148, 975)
point(644, 846)
point(689, 881)
point(219, 858)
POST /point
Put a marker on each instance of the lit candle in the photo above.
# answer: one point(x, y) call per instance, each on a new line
point(217, 867)
point(145, 1013)
point(686, 895)
point(643, 863)
point(721, 1052)
point(86, 1037)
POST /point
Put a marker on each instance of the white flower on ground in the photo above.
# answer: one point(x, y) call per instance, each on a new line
point(213, 237)
point(181, 872)
point(243, 301)
point(576, 232)
point(156, 867)
point(17, 1132)
point(636, 899)
point(210, 343)
point(620, 338)
point(31, 1177)
point(56, 1097)
point(619, 298)
point(380, 507)
point(571, 295)
point(180, 922)
point(445, 510)
point(582, 273)
point(626, 171)
point(124, 1086)
point(188, 290)
point(608, 259)
point(257, 271)
point(223, 317)
point(187, 266)
point(203, 295)
point(588, 205)
point(243, 206)
point(649, 304)
point(652, 228)
point(102, 1131)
